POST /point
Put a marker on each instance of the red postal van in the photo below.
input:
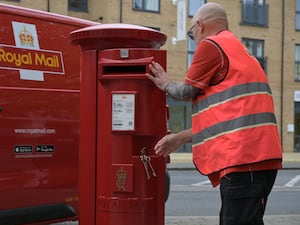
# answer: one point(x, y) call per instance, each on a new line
point(39, 116)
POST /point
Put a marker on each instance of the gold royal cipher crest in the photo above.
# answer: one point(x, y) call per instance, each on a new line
point(121, 179)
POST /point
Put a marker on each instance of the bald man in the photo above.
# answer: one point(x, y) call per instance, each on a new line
point(234, 135)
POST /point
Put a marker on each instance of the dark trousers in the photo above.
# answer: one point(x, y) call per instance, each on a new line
point(244, 197)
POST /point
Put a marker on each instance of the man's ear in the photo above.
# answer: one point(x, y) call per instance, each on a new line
point(201, 26)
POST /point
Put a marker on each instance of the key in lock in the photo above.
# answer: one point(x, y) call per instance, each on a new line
point(146, 160)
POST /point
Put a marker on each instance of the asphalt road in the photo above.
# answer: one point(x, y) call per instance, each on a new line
point(192, 195)
point(192, 200)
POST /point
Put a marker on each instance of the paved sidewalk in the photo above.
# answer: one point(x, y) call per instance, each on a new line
point(183, 161)
point(213, 220)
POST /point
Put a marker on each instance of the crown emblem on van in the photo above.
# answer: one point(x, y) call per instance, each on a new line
point(26, 38)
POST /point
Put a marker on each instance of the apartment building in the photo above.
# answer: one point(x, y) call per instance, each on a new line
point(270, 29)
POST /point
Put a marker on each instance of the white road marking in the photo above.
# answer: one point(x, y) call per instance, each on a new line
point(206, 182)
point(293, 181)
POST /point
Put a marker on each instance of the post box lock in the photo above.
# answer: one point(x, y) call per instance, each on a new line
point(146, 160)
point(124, 53)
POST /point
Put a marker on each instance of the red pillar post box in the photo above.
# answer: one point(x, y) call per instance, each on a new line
point(123, 115)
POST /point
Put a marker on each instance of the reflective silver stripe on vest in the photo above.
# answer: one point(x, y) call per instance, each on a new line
point(230, 94)
point(226, 127)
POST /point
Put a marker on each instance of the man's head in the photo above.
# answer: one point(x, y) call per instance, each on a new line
point(209, 19)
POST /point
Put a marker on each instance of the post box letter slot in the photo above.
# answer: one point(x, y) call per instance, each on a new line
point(128, 69)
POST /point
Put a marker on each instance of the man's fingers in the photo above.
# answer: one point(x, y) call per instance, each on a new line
point(148, 75)
point(153, 70)
point(158, 76)
point(161, 148)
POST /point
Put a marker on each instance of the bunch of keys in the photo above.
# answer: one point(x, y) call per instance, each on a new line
point(146, 160)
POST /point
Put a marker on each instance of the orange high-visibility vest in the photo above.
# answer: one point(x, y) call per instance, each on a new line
point(234, 122)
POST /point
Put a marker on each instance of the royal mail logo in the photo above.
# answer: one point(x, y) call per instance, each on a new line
point(39, 60)
point(27, 57)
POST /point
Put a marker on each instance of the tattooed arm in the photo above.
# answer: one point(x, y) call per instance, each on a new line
point(181, 91)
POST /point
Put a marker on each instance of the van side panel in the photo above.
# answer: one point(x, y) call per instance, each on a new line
point(39, 114)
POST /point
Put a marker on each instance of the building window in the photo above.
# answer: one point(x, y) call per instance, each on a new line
point(180, 119)
point(146, 5)
point(191, 50)
point(297, 22)
point(78, 5)
point(194, 5)
point(255, 12)
point(297, 128)
point(297, 63)
point(256, 48)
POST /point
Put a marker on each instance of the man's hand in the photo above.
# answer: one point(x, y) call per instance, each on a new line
point(171, 142)
point(181, 91)
point(166, 145)
point(158, 76)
